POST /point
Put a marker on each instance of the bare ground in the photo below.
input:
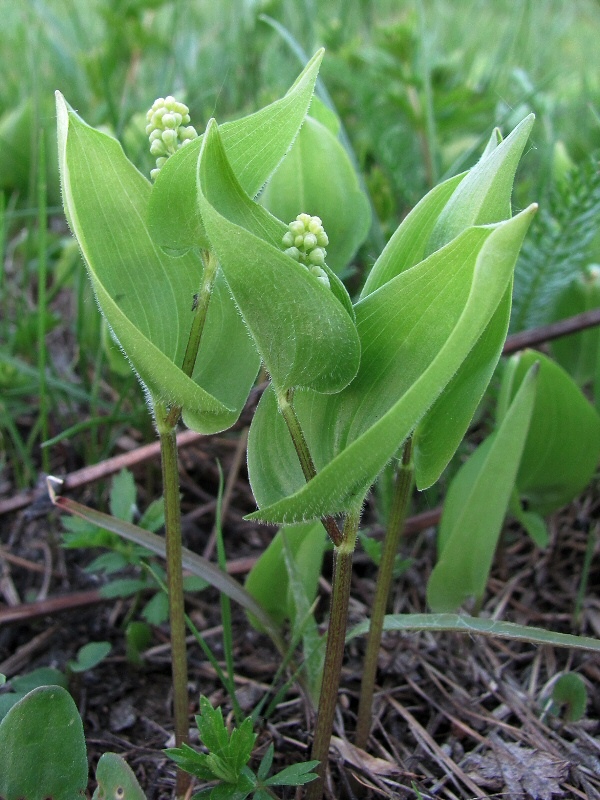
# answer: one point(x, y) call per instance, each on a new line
point(455, 716)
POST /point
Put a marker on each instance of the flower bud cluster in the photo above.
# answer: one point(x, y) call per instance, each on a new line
point(305, 241)
point(168, 129)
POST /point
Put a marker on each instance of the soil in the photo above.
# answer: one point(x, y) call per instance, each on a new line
point(456, 716)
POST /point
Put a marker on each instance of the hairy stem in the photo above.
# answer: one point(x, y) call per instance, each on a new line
point(200, 309)
point(402, 489)
point(334, 654)
point(285, 403)
point(166, 421)
point(170, 476)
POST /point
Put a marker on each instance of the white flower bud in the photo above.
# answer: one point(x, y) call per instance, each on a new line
point(305, 242)
point(168, 129)
point(317, 256)
point(321, 276)
point(157, 148)
point(169, 137)
point(293, 252)
point(322, 238)
point(310, 241)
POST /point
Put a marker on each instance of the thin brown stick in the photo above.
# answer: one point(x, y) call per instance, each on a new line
point(564, 327)
point(51, 606)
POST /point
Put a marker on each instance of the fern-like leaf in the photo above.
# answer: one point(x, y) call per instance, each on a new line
point(558, 245)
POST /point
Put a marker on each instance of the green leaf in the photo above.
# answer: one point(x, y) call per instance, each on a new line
point(304, 334)
point(295, 775)
point(533, 522)
point(211, 728)
point(153, 517)
point(569, 690)
point(192, 583)
point(415, 332)
point(579, 354)
point(43, 748)
point(408, 245)
point(190, 561)
point(269, 581)
point(265, 764)
point(241, 744)
point(255, 145)
point(110, 563)
point(122, 495)
point(116, 780)
point(483, 196)
point(317, 177)
point(156, 610)
point(442, 429)
point(475, 508)
point(191, 761)
point(563, 446)
point(123, 587)
point(89, 656)
point(145, 295)
point(43, 676)
point(462, 623)
point(138, 636)
point(239, 791)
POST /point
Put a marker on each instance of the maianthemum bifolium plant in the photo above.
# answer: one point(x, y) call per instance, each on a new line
point(202, 286)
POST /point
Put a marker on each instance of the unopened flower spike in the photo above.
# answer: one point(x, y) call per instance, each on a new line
point(305, 241)
point(168, 129)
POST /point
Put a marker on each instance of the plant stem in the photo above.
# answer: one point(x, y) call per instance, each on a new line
point(42, 299)
point(166, 422)
point(200, 309)
point(334, 654)
point(403, 486)
point(285, 403)
point(170, 476)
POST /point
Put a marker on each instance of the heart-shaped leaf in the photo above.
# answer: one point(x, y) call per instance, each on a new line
point(482, 197)
point(305, 335)
point(415, 333)
point(317, 177)
point(145, 295)
point(255, 145)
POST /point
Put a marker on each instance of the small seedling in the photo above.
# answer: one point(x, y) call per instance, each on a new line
point(569, 697)
point(226, 762)
point(87, 658)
